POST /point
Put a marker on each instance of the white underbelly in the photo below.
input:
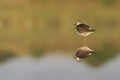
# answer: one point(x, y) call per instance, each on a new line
point(85, 33)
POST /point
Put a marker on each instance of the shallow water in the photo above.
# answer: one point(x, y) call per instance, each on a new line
point(57, 67)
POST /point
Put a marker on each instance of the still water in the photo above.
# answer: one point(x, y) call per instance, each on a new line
point(57, 67)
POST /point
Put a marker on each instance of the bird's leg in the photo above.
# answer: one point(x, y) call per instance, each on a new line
point(85, 43)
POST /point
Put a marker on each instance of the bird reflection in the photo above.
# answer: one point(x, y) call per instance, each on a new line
point(83, 30)
point(83, 52)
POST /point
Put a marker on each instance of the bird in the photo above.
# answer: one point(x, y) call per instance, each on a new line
point(82, 53)
point(83, 29)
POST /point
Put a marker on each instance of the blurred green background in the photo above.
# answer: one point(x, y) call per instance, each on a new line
point(37, 27)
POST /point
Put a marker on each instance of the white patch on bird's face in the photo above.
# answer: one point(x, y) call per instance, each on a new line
point(90, 28)
point(78, 23)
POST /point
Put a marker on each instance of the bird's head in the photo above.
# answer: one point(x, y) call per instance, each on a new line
point(78, 22)
point(93, 30)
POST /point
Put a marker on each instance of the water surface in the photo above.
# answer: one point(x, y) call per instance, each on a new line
point(57, 67)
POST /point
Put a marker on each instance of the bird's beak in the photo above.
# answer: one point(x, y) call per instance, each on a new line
point(93, 30)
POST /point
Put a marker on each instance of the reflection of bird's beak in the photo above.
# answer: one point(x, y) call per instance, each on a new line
point(93, 51)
